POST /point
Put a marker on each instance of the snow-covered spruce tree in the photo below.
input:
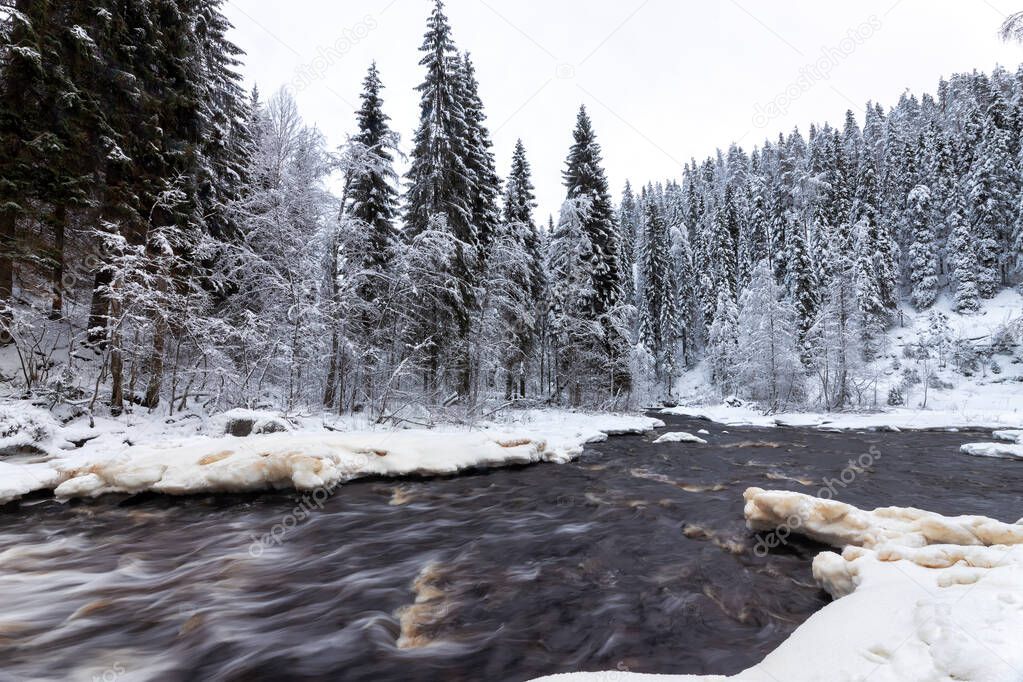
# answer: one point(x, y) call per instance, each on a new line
point(584, 179)
point(990, 195)
point(362, 260)
point(769, 368)
point(805, 285)
point(577, 355)
point(962, 260)
point(721, 247)
point(723, 344)
point(876, 260)
point(515, 278)
point(923, 261)
point(225, 109)
point(440, 184)
point(628, 224)
point(659, 298)
point(479, 161)
point(754, 241)
point(687, 293)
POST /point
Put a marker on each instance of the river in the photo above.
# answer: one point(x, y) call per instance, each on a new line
point(634, 557)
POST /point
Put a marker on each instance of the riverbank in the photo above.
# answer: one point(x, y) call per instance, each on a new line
point(191, 456)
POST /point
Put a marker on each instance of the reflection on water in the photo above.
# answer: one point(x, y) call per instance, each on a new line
point(635, 557)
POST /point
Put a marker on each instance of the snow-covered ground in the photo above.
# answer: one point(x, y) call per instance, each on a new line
point(918, 597)
point(991, 398)
point(192, 456)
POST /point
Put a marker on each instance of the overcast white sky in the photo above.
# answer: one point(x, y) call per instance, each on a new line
point(664, 80)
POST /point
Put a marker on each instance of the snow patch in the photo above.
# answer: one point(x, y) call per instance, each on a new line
point(680, 437)
point(25, 428)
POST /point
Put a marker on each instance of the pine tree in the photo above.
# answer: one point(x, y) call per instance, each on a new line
point(479, 161)
point(923, 261)
point(584, 178)
point(440, 195)
point(517, 279)
point(366, 242)
point(659, 315)
point(586, 182)
point(628, 222)
point(723, 344)
point(722, 246)
point(805, 285)
point(962, 261)
point(876, 278)
point(989, 191)
point(371, 193)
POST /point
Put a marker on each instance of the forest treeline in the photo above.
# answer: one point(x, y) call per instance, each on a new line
point(167, 238)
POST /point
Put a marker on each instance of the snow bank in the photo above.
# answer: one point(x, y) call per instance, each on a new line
point(305, 461)
point(997, 450)
point(918, 597)
point(680, 437)
point(839, 524)
point(25, 428)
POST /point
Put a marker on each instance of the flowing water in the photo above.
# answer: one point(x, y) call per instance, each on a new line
point(634, 557)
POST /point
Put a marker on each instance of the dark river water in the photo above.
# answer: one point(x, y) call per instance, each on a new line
point(634, 557)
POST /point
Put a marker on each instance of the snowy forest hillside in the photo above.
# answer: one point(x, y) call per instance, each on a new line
point(168, 241)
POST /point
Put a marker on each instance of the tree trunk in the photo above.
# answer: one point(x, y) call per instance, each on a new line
point(8, 238)
point(60, 218)
point(155, 364)
point(116, 364)
point(99, 308)
point(330, 392)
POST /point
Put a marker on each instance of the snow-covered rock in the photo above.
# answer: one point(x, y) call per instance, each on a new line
point(242, 422)
point(919, 597)
point(680, 437)
point(25, 429)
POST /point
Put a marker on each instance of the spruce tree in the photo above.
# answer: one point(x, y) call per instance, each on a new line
point(628, 223)
point(439, 196)
point(805, 284)
point(659, 329)
point(962, 260)
point(586, 184)
point(584, 178)
point(989, 192)
point(371, 193)
point(479, 161)
point(923, 261)
point(517, 271)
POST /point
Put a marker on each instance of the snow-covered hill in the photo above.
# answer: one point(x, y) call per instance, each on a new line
point(966, 373)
